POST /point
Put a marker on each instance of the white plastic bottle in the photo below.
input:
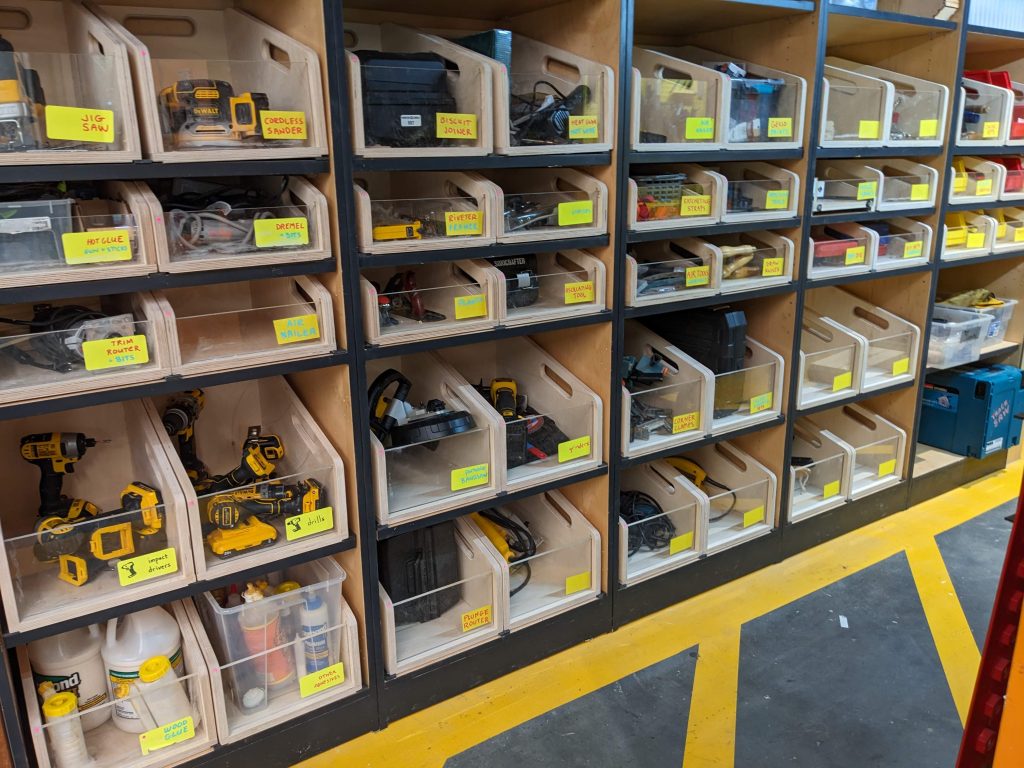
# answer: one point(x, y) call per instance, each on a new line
point(314, 621)
point(72, 661)
point(132, 640)
point(163, 694)
point(64, 729)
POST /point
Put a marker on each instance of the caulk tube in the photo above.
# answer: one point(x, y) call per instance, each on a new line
point(260, 624)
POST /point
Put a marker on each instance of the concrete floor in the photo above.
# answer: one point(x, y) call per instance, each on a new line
point(861, 652)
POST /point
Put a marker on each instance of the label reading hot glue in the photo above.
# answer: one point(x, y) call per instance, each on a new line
point(461, 223)
point(842, 381)
point(97, 247)
point(481, 617)
point(451, 125)
point(579, 293)
point(684, 422)
point(469, 477)
point(308, 523)
point(145, 567)
point(316, 682)
point(695, 205)
point(276, 233)
point(855, 255)
point(583, 127)
point(117, 352)
point(74, 124)
point(920, 192)
point(680, 543)
point(467, 307)
point(278, 125)
point(577, 583)
point(780, 127)
point(776, 199)
point(773, 266)
point(571, 450)
point(753, 516)
point(887, 467)
point(868, 129)
point(913, 249)
point(576, 212)
point(760, 403)
point(696, 276)
point(699, 128)
point(166, 735)
point(290, 330)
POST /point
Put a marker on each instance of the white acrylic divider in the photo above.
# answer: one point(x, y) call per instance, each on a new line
point(959, 243)
point(831, 361)
point(856, 109)
point(908, 244)
point(577, 203)
point(981, 181)
point(771, 262)
point(994, 104)
point(857, 251)
point(824, 483)
point(708, 212)
point(773, 192)
point(878, 447)
point(697, 263)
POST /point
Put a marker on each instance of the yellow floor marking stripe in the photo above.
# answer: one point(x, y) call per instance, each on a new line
point(711, 726)
point(426, 738)
point(958, 652)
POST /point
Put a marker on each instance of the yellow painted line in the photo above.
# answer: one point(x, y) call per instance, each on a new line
point(711, 726)
point(958, 652)
point(427, 738)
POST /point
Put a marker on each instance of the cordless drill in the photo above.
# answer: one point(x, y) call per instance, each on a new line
point(55, 453)
point(259, 454)
point(180, 422)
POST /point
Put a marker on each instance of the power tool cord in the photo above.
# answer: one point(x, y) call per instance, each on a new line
point(637, 508)
point(520, 542)
point(51, 343)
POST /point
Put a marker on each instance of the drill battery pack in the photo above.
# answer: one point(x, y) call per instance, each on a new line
point(402, 94)
point(418, 563)
point(206, 113)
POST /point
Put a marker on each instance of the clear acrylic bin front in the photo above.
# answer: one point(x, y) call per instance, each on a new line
point(667, 413)
point(751, 262)
point(534, 98)
point(546, 441)
point(653, 542)
point(889, 356)
point(677, 111)
point(549, 214)
point(763, 110)
point(734, 511)
point(901, 244)
point(875, 461)
point(757, 195)
point(222, 230)
point(837, 195)
point(815, 482)
point(215, 105)
point(854, 112)
point(982, 113)
point(671, 197)
point(835, 251)
point(548, 577)
point(426, 219)
point(905, 189)
point(744, 393)
point(973, 183)
point(559, 283)
point(828, 371)
point(686, 273)
point(406, 308)
point(917, 114)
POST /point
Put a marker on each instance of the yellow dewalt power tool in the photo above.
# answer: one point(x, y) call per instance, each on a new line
point(206, 113)
point(56, 453)
point(237, 516)
point(180, 423)
point(22, 103)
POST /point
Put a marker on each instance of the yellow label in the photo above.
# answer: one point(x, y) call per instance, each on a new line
point(855, 255)
point(74, 124)
point(97, 247)
point(166, 735)
point(842, 381)
point(574, 449)
point(959, 182)
point(579, 293)
point(928, 129)
point(299, 328)
point(983, 187)
point(760, 403)
point(868, 129)
point(697, 276)
point(115, 353)
point(776, 199)
point(913, 249)
point(901, 366)
point(753, 516)
point(462, 223)
point(887, 467)
point(577, 583)
point(470, 477)
point(866, 190)
point(920, 191)
point(451, 125)
point(1018, 234)
point(474, 305)
point(830, 490)
point(684, 422)
point(322, 680)
point(576, 212)
point(278, 125)
point(309, 523)
point(583, 127)
point(975, 239)
point(480, 617)
point(773, 266)
point(990, 130)
point(700, 128)
point(146, 567)
point(277, 233)
point(695, 205)
point(780, 127)
point(680, 543)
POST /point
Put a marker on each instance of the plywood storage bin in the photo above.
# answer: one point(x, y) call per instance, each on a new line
point(663, 271)
point(986, 113)
point(844, 248)
point(563, 284)
point(686, 196)
point(384, 129)
point(892, 343)
point(758, 192)
point(967, 234)
point(433, 624)
point(1009, 234)
point(819, 471)
point(675, 411)
point(34, 593)
point(103, 343)
point(745, 508)
point(168, 47)
point(81, 65)
point(401, 212)
point(540, 204)
point(844, 187)
point(310, 464)
point(916, 113)
point(750, 395)
point(260, 662)
point(677, 105)
point(565, 571)
point(447, 298)
point(571, 412)
point(831, 359)
point(902, 242)
point(296, 230)
point(855, 108)
point(230, 326)
point(753, 260)
point(161, 709)
point(878, 447)
point(659, 522)
point(975, 180)
point(74, 238)
point(416, 480)
point(900, 184)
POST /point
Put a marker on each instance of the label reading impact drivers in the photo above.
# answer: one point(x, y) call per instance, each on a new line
point(145, 567)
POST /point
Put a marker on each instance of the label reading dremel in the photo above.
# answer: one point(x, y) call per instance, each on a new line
point(278, 233)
